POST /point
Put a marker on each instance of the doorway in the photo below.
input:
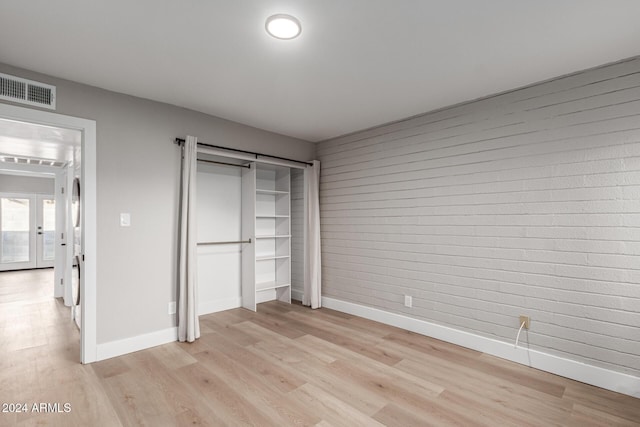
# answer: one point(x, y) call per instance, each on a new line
point(20, 142)
point(27, 231)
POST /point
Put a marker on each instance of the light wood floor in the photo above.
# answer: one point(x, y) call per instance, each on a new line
point(286, 365)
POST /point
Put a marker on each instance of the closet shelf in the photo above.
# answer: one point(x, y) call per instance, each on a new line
point(270, 257)
point(266, 216)
point(265, 286)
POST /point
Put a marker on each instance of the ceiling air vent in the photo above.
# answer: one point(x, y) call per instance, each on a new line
point(28, 92)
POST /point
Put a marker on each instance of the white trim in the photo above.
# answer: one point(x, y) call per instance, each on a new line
point(208, 307)
point(21, 169)
point(70, 243)
point(139, 342)
point(265, 295)
point(249, 158)
point(88, 334)
point(296, 294)
point(599, 377)
point(61, 220)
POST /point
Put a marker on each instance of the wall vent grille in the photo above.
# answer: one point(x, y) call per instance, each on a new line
point(16, 89)
point(5, 158)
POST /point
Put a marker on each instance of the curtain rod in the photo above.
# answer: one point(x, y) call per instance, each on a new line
point(180, 141)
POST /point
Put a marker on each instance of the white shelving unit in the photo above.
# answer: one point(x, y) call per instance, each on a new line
point(266, 210)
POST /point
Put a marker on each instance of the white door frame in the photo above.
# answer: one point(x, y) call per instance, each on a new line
point(88, 338)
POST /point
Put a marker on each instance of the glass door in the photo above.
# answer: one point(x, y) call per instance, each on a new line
point(46, 231)
point(17, 231)
point(27, 231)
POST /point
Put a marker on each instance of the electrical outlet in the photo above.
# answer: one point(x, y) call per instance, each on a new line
point(125, 220)
point(525, 320)
point(172, 307)
point(408, 301)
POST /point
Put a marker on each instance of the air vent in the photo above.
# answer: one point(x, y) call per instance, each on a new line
point(26, 91)
point(5, 158)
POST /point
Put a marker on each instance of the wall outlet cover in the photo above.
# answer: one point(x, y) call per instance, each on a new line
point(125, 220)
point(172, 307)
point(408, 301)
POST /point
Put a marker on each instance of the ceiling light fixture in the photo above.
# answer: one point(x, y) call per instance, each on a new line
point(284, 27)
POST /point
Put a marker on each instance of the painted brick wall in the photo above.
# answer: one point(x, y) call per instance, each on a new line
point(526, 202)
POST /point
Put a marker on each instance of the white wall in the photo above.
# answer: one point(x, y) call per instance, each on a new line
point(219, 196)
point(138, 172)
point(25, 184)
point(523, 203)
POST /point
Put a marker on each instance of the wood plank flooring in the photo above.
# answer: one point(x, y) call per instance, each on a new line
point(285, 365)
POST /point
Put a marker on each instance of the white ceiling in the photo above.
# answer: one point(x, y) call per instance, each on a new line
point(357, 64)
point(39, 142)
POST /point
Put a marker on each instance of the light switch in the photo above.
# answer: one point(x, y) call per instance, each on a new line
point(125, 220)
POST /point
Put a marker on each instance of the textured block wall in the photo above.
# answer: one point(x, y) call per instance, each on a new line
point(527, 202)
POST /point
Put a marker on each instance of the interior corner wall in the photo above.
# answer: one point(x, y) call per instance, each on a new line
point(527, 202)
point(10, 183)
point(138, 169)
point(297, 234)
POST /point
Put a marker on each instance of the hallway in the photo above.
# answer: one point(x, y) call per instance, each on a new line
point(39, 343)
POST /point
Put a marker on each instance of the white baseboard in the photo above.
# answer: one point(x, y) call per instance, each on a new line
point(600, 377)
point(139, 342)
point(296, 294)
point(142, 342)
point(214, 306)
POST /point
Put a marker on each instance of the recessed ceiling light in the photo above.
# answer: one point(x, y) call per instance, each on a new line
point(285, 27)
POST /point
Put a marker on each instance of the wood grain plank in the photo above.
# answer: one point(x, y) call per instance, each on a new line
point(248, 372)
point(362, 343)
point(333, 410)
point(284, 379)
point(262, 393)
point(229, 406)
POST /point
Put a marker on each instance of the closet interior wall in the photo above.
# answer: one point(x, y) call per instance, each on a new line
point(219, 220)
point(297, 234)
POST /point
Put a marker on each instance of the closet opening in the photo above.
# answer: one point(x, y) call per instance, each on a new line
point(250, 242)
